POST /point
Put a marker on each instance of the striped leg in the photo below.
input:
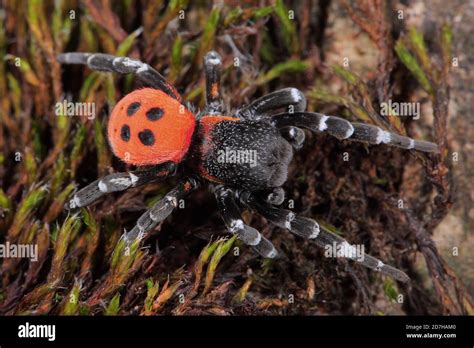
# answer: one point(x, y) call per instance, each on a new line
point(290, 98)
point(310, 229)
point(233, 220)
point(119, 182)
point(294, 135)
point(122, 65)
point(274, 196)
point(212, 67)
point(161, 210)
point(343, 129)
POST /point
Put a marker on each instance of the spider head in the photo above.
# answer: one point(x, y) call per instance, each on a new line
point(148, 127)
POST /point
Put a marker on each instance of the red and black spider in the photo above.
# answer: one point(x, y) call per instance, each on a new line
point(153, 127)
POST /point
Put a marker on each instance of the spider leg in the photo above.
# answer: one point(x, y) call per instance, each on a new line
point(212, 67)
point(290, 98)
point(119, 182)
point(343, 129)
point(294, 135)
point(231, 215)
point(274, 196)
point(162, 209)
point(122, 65)
point(310, 229)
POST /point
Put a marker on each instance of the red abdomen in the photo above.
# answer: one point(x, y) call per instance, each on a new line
point(148, 127)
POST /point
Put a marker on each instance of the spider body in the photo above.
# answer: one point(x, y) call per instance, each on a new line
point(244, 157)
point(148, 127)
point(241, 153)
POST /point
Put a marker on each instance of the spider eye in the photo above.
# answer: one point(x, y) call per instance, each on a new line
point(154, 114)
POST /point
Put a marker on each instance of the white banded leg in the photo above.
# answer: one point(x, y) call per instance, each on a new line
point(230, 213)
point(310, 229)
point(302, 226)
point(122, 65)
point(119, 182)
point(294, 135)
point(290, 98)
point(274, 196)
point(343, 129)
point(161, 210)
point(212, 68)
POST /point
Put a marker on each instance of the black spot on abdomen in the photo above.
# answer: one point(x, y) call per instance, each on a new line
point(154, 114)
point(125, 133)
point(146, 137)
point(133, 108)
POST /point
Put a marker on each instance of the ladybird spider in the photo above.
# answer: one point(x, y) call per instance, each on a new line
point(153, 127)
